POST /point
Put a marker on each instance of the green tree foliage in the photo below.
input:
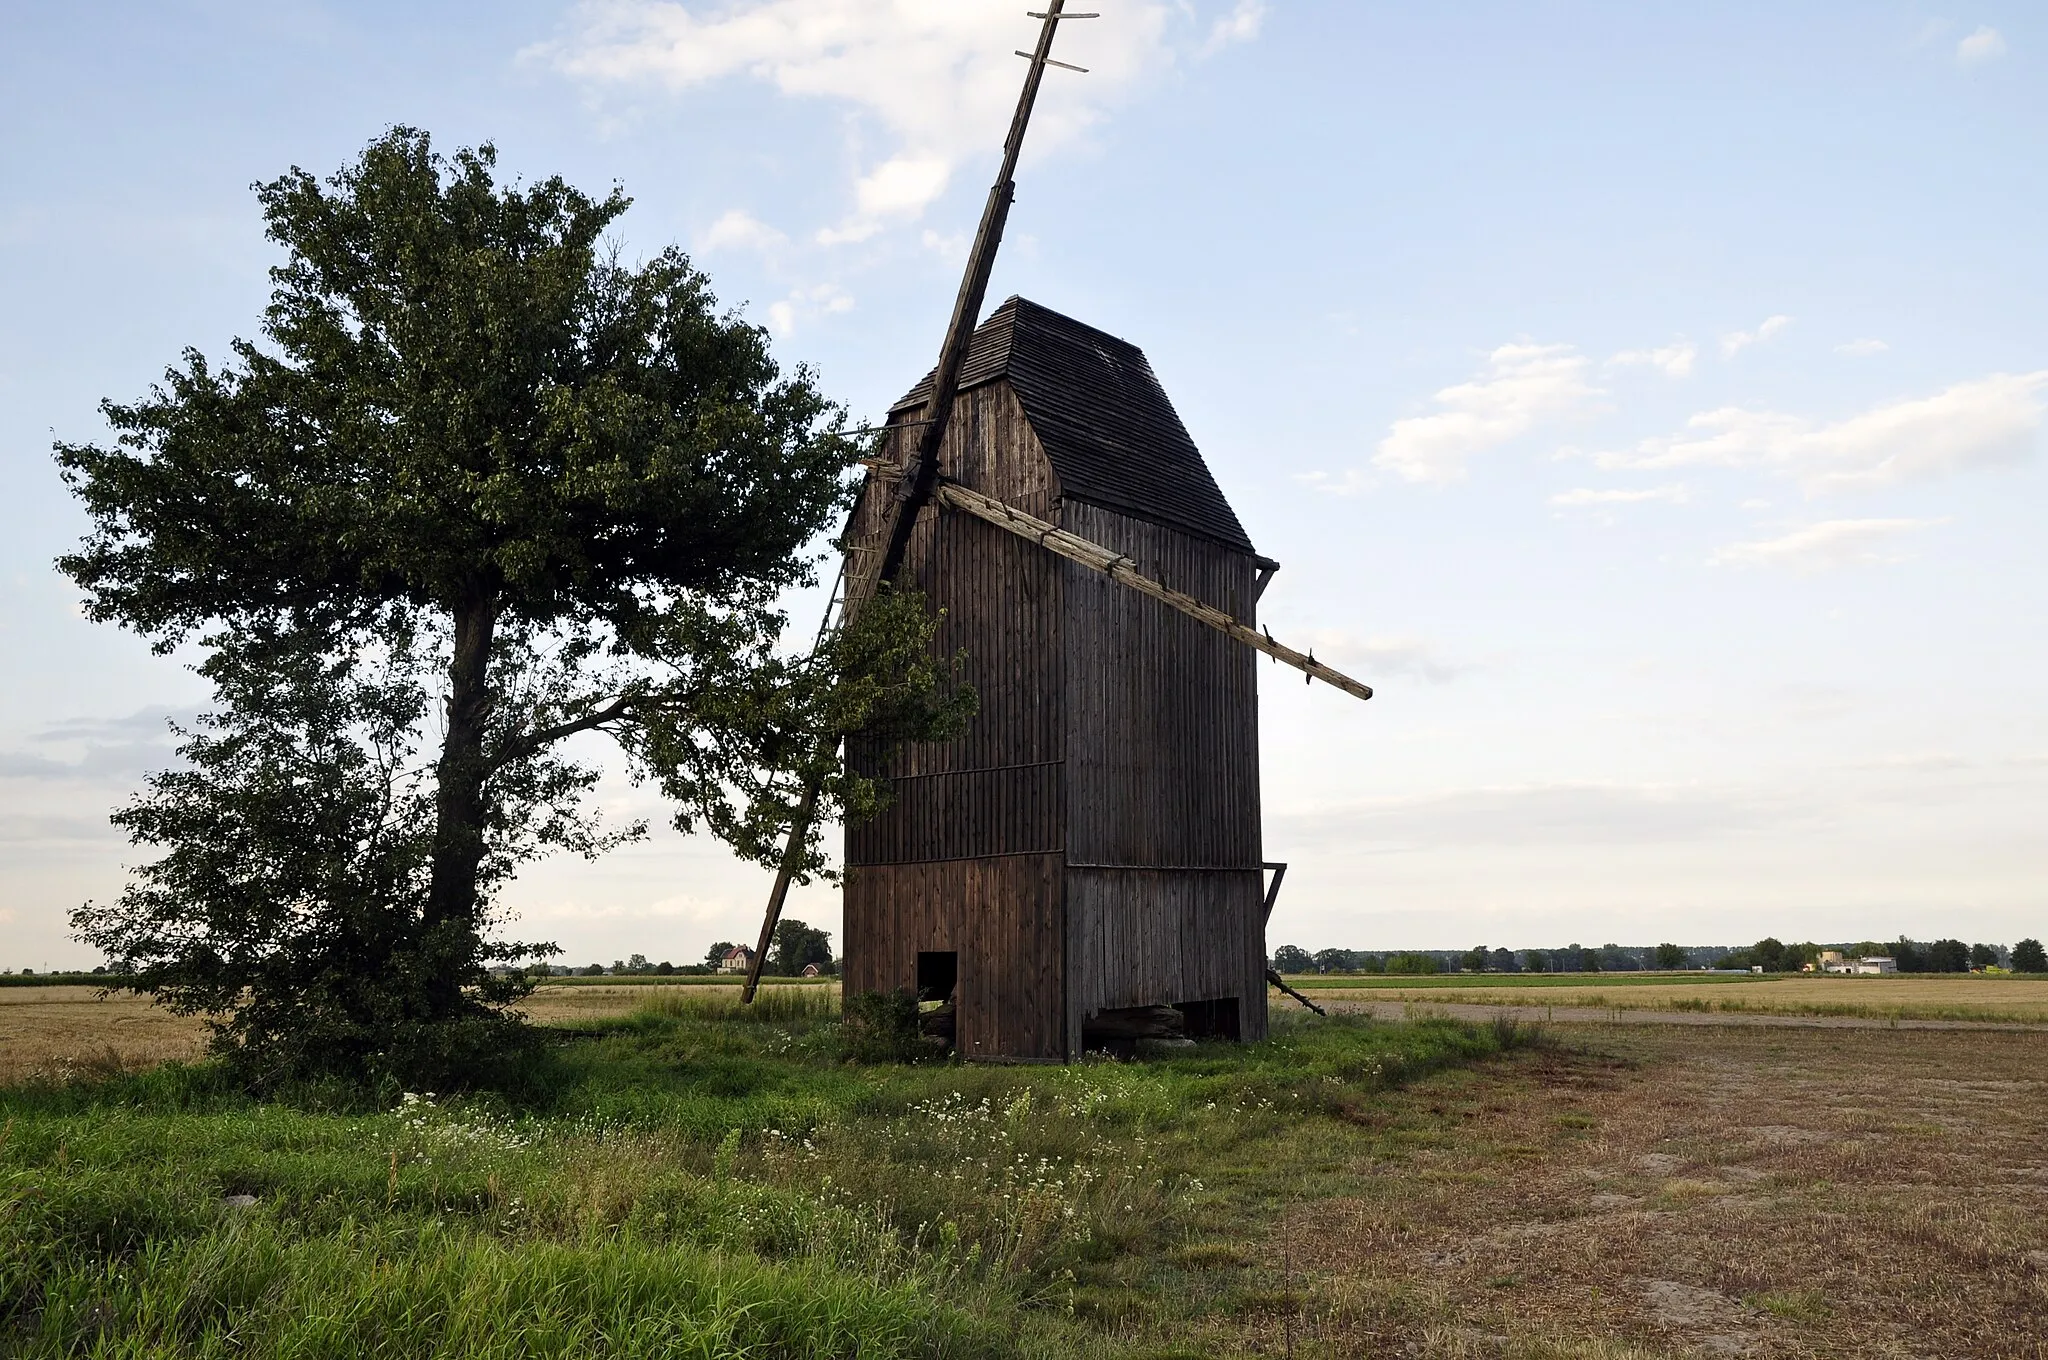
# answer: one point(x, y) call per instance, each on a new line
point(2029, 957)
point(796, 946)
point(715, 955)
point(1410, 963)
point(1983, 955)
point(1948, 956)
point(530, 491)
point(1474, 960)
point(1670, 956)
point(1292, 958)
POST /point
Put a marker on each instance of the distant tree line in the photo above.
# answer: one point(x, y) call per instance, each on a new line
point(796, 946)
point(1770, 954)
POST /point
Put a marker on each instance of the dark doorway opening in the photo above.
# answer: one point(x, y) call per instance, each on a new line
point(938, 1003)
point(937, 974)
point(1210, 1019)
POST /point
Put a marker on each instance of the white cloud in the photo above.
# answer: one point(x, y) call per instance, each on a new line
point(939, 76)
point(1830, 544)
point(1584, 496)
point(1521, 386)
point(1241, 25)
point(740, 230)
point(806, 305)
point(1736, 341)
point(898, 189)
point(1986, 44)
point(1862, 349)
point(1972, 424)
point(1674, 359)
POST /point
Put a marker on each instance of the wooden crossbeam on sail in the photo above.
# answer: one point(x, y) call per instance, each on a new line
point(1120, 568)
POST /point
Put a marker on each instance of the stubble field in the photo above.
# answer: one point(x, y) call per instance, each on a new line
point(2020, 1000)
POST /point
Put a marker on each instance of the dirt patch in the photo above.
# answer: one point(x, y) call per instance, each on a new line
point(1669, 1192)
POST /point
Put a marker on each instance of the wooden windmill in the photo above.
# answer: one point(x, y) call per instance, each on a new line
point(1089, 850)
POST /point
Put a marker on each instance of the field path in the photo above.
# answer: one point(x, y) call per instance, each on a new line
point(1622, 1015)
point(1779, 1189)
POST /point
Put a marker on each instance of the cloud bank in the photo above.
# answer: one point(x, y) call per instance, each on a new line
point(938, 77)
point(1970, 425)
point(1827, 546)
point(1521, 386)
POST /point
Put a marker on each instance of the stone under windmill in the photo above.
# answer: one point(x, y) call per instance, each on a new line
point(1088, 852)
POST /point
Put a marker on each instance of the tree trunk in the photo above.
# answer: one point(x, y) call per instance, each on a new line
point(459, 788)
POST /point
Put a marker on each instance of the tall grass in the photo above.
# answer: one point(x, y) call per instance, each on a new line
point(705, 1180)
point(770, 1006)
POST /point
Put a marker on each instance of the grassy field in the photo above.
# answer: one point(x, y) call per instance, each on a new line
point(699, 1182)
point(1910, 997)
point(705, 1182)
point(58, 1031)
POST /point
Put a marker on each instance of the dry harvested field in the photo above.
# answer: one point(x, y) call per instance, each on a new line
point(2023, 1000)
point(1654, 1191)
point(61, 1031)
point(58, 1032)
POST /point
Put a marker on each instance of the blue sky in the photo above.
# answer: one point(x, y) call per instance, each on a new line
point(1646, 399)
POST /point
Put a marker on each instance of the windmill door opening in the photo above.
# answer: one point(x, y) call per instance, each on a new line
point(937, 974)
point(938, 1003)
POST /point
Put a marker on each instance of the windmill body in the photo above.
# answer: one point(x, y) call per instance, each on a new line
point(1091, 844)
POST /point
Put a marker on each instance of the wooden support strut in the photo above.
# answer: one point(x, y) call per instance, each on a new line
point(1273, 974)
point(1120, 568)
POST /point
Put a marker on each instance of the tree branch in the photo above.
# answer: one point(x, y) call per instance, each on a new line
point(541, 738)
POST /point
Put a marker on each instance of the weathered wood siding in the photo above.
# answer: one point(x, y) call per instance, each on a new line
point(1161, 712)
point(1002, 915)
point(967, 860)
point(1154, 937)
point(1163, 830)
point(996, 790)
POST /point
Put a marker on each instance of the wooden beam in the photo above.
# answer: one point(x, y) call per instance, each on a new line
point(1120, 568)
point(1272, 890)
point(1267, 566)
point(920, 470)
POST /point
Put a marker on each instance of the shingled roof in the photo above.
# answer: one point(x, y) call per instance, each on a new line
point(1106, 424)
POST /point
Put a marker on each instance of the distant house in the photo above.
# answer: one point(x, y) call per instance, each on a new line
point(1835, 961)
point(737, 959)
point(812, 970)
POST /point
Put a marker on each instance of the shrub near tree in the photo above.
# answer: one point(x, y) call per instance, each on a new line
point(481, 488)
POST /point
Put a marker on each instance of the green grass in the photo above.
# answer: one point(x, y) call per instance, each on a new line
point(1312, 981)
point(697, 1181)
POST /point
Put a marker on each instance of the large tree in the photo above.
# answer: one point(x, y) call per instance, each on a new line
point(478, 472)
